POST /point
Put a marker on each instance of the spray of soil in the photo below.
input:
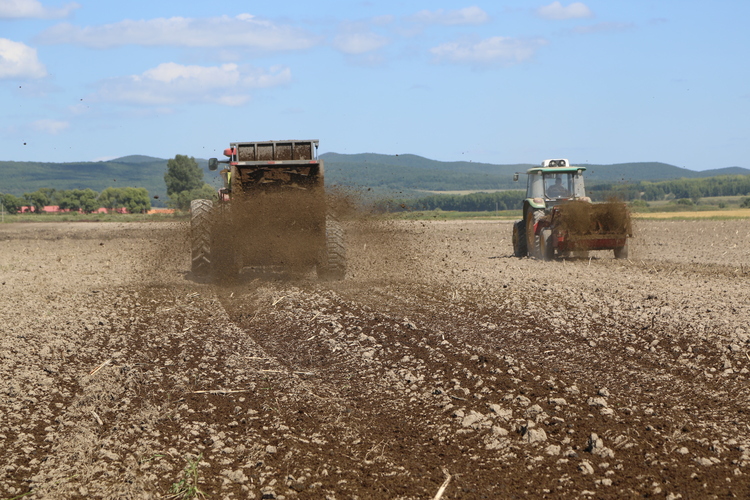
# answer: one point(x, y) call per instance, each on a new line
point(275, 228)
point(281, 234)
point(582, 218)
point(380, 249)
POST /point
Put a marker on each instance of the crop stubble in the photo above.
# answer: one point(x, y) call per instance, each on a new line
point(439, 350)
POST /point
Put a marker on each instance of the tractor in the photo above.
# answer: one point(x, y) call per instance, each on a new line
point(560, 220)
point(270, 213)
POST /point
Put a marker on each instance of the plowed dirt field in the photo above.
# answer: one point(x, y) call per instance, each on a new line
point(441, 359)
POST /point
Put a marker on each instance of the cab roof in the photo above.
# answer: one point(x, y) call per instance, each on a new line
point(555, 170)
point(558, 166)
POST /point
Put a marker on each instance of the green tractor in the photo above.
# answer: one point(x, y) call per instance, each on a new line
point(560, 220)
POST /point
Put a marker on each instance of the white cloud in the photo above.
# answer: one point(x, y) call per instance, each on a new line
point(244, 30)
point(359, 43)
point(18, 60)
point(489, 51)
point(14, 9)
point(53, 127)
point(172, 83)
point(556, 11)
point(467, 16)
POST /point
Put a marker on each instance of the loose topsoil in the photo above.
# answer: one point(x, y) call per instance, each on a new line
point(440, 359)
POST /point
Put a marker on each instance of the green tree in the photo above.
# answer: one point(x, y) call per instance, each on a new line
point(79, 199)
point(639, 205)
point(51, 193)
point(111, 198)
point(181, 201)
point(38, 199)
point(695, 193)
point(11, 204)
point(134, 200)
point(474, 202)
point(695, 189)
point(183, 174)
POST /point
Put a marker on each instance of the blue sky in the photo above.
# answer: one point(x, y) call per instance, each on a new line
point(499, 82)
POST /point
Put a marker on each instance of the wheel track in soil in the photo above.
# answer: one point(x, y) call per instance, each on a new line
point(489, 347)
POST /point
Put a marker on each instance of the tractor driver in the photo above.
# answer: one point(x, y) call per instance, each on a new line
point(557, 190)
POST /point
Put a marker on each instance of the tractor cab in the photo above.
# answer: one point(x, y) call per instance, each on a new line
point(554, 182)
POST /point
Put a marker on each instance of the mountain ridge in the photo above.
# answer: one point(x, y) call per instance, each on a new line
point(403, 173)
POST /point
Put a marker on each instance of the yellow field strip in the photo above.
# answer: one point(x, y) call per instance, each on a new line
point(733, 214)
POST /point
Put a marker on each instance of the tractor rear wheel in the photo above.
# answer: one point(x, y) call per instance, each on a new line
point(519, 239)
point(332, 263)
point(200, 236)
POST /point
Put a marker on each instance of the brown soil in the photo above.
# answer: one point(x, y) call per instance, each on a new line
point(440, 353)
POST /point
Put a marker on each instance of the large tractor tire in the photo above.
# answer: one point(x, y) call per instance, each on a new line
point(200, 236)
point(533, 243)
point(519, 239)
point(621, 252)
point(332, 264)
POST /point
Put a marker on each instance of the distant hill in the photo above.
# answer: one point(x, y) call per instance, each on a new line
point(652, 171)
point(724, 171)
point(401, 175)
point(138, 159)
point(412, 172)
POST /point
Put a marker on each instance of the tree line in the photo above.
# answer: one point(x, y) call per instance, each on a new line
point(134, 200)
point(474, 202)
point(694, 189)
point(687, 189)
point(184, 181)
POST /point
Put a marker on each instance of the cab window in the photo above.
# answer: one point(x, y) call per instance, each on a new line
point(558, 185)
